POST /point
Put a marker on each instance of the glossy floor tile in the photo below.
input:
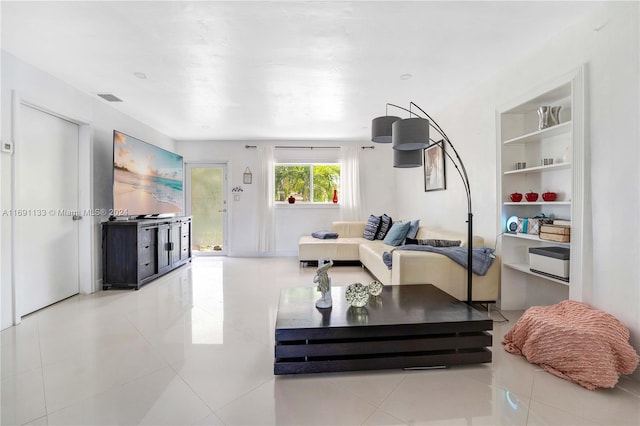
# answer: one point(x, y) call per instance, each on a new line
point(196, 348)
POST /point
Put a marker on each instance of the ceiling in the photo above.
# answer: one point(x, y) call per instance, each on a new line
point(277, 70)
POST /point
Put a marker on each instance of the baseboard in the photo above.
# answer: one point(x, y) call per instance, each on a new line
point(262, 254)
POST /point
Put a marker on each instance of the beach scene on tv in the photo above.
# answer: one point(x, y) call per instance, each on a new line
point(146, 179)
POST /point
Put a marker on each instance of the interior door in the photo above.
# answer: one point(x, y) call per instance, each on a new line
point(45, 210)
point(207, 204)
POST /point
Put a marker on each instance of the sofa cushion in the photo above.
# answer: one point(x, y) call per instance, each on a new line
point(312, 249)
point(371, 257)
point(385, 225)
point(348, 228)
point(371, 228)
point(397, 233)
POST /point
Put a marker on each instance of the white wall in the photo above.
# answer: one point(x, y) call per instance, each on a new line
point(46, 91)
point(608, 43)
point(292, 221)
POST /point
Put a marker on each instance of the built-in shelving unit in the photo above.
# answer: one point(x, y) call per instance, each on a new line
point(521, 140)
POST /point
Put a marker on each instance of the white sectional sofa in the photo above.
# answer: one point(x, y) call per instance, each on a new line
point(409, 267)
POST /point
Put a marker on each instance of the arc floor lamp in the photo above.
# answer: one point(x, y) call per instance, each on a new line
point(409, 137)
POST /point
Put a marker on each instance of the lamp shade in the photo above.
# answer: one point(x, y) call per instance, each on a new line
point(410, 134)
point(405, 159)
point(381, 128)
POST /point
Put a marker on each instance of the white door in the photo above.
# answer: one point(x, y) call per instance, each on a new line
point(46, 197)
point(207, 204)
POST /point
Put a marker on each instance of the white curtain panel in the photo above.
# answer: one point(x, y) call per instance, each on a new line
point(265, 210)
point(350, 199)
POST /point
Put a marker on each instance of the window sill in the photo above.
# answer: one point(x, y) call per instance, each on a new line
point(302, 205)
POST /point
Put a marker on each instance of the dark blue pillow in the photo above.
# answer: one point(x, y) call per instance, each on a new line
point(385, 225)
point(371, 228)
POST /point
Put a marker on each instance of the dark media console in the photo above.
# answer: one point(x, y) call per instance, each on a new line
point(135, 252)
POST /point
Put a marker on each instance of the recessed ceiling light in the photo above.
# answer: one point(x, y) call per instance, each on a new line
point(140, 75)
point(405, 76)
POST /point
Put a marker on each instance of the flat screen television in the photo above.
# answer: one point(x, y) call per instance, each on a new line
point(147, 180)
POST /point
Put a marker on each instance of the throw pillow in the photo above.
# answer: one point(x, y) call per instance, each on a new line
point(324, 235)
point(385, 225)
point(371, 228)
point(434, 242)
point(397, 233)
point(413, 229)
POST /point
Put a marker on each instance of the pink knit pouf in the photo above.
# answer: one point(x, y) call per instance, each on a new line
point(574, 341)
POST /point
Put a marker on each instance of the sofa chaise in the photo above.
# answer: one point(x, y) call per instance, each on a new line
point(409, 267)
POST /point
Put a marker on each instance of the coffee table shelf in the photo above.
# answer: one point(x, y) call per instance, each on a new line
point(409, 326)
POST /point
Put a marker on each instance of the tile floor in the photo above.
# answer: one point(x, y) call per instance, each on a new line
point(196, 348)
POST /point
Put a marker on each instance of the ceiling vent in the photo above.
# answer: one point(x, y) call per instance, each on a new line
point(109, 97)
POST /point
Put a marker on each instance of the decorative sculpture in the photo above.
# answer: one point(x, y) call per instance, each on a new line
point(324, 283)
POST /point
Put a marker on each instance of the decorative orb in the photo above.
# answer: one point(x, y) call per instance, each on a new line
point(375, 288)
point(357, 295)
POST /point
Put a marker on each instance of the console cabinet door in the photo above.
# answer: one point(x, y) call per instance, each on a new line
point(174, 243)
point(164, 246)
point(119, 254)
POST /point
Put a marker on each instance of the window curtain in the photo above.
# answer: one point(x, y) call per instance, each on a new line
point(350, 199)
point(265, 210)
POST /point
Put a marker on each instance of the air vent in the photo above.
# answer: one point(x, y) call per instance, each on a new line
point(109, 97)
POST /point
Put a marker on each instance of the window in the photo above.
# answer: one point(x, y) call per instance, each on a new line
point(311, 183)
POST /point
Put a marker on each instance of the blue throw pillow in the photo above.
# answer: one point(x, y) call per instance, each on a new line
point(397, 233)
point(413, 229)
point(371, 228)
point(324, 235)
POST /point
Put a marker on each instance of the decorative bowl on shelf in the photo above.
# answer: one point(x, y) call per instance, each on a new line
point(531, 196)
point(549, 196)
point(516, 197)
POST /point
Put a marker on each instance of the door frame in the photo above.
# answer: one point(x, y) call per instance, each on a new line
point(86, 227)
point(225, 221)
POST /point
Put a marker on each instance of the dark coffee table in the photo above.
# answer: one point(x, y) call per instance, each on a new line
point(407, 326)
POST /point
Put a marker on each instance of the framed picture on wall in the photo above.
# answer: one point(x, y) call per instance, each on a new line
point(434, 173)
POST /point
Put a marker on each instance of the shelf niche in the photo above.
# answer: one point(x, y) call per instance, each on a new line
point(520, 140)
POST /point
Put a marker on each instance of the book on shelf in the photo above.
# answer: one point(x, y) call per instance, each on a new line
point(555, 229)
point(563, 222)
point(559, 238)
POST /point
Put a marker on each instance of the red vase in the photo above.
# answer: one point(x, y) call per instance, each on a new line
point(335, 196)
